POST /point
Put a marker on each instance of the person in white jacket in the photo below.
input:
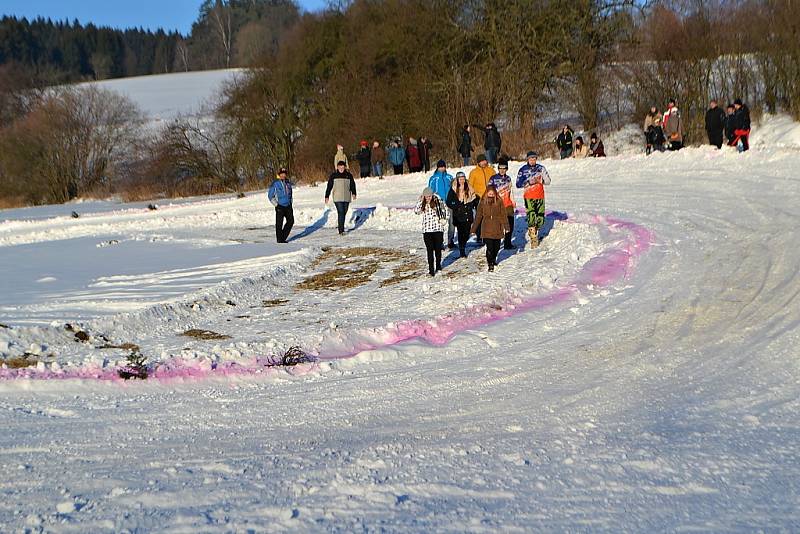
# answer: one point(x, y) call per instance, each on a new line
point(434, 216)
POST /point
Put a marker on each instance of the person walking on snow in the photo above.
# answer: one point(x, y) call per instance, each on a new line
point(491, 217)
point(377, 157)
point(364, 158)
point(533, 177)
point(397, 156)
point(672, 124)
point(340, 156)
point(715, 124)
point(432, 209)
point(596, 149)
point(343, 186)
point(741, 120)
point(564, 142)
point(581, 150)
point(502, 184)
point(280, 195)
point(462, 202)
point(465, 146)
point(440, 183)
point(478, 181)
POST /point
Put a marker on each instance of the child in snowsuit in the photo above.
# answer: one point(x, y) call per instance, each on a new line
point(533, 177)
point(432, 209)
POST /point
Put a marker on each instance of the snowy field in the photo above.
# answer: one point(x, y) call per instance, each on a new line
point(639, 371)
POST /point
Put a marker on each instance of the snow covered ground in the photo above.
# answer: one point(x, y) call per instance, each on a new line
point(639, 371)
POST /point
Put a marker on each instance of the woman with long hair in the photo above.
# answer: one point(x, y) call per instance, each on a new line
point(462, 201)
point(491, 217)
point(432, 209)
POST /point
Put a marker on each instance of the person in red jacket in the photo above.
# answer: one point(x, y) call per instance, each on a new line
point(413, 156)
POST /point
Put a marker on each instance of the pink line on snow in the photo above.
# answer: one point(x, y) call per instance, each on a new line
point(611, 265)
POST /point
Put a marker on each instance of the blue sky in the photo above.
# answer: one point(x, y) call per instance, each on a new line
point(167, 14)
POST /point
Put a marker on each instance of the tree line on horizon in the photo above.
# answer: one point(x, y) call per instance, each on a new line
point(381, 69)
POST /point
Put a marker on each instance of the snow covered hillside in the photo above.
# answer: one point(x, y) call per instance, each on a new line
point(163, 97)
point(639, 371)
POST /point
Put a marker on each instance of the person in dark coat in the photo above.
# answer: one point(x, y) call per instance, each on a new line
point(343, 187)
point(492, 141)
point(425, 146)
point(741, 119)
point(564, 142)
point(465, 146)
point(730, 124)
point(715, 124)
point(462, 202)
point(596, 148)
point(364, 158)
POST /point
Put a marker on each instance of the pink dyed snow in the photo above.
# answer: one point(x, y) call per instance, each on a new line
point(611, 265)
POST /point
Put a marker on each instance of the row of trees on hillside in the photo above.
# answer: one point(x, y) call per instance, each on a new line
point(378, 69)
point(227, 33)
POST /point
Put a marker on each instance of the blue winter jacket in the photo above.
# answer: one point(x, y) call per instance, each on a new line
point(440, 182)
point(280, 193)
point(397, 156)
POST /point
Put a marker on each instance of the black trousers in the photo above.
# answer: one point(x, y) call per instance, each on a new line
point(715, 138)
point(341, 211)
point(463, 234)
point(433, 244)
point(507, 242)
point(398, 169)
point(492, 249)
point(284, 220)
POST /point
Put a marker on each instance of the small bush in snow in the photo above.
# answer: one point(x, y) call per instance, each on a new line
point(136, 367)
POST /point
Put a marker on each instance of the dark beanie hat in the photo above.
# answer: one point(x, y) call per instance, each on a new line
point(441, 163)
point(737, 102)
point(481, 157)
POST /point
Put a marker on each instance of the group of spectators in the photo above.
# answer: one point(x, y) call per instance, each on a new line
point(371, 158)
point(730, 126)
point(571, 146)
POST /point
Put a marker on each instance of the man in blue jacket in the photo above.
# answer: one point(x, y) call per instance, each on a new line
point(280, 195)
point(441, 182)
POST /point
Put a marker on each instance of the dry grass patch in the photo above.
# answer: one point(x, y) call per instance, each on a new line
point(207, 335)
point(124, 346)
point(273, 302)
point(339, 278)
point(20, 362)
point(407, 270)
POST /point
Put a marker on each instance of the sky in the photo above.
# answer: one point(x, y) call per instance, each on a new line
point(152, 14)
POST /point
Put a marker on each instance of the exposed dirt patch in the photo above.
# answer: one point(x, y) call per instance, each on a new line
point(207, 335)
point(408, 270)
point(273, 303)
point(20, 362)
point(352, 267)
point(124, 346)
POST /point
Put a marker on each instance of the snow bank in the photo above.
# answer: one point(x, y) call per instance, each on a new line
point(776, 131)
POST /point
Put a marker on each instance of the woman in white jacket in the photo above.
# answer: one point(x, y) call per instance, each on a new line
point(433, 212)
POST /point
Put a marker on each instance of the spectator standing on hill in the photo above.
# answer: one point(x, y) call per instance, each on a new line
point(533, 177)
point(462, 202)
point(364, 159)
point(432, 209)
point(425, 147)
point(492, 141)
point(564, 142)
point(580, 150)
point(343, 186)
point(730, 124)
point(377, 157)
point(491, 216)
point(672, 124)
point(715, 124)
point(596, 148)
point(502, 184)
point(741, 118)
point(340, 156)
point(413, 156)
point(653, 133)
point(397, 155)
point(440, 183)
point(280, 195)
point(465, 146)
